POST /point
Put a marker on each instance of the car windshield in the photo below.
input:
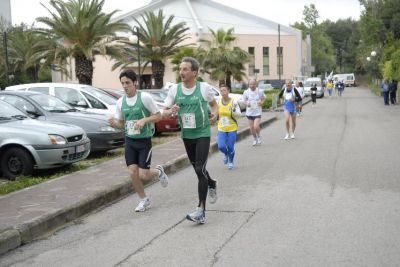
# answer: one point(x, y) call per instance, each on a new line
point(7, 111)
point(100, 94)
point(51, 103)
point(310, 83)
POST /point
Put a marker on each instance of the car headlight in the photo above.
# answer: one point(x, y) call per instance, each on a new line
point(107, 129)
point(57, 139)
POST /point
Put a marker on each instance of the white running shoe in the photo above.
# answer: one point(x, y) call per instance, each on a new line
point(258, 140)
point(287, 137)
point(198, 216)
point(231, 166)
point(254, 142)
point(162, 176)
point(143, 205)
point(292, 136)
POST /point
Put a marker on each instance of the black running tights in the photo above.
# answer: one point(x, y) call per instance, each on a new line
point(197, 151)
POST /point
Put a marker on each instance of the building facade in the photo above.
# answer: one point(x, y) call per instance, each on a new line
point(277, 51)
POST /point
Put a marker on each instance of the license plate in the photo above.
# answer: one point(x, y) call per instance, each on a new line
point(80, 148)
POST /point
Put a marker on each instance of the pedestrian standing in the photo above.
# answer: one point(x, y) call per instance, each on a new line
point(392, 92)
point(314, 94)
point(136, 112)
point(290, 96)
point(254, 99)
point(190, 101)
point(228, 113)
point(385, 91)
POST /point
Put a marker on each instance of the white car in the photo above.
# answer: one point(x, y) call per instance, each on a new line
point(80, 96)
point(308, 83)
point(237, 97)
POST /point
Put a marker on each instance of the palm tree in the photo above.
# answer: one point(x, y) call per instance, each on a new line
point(159, 40)
point(79, 29)
point(220, 59)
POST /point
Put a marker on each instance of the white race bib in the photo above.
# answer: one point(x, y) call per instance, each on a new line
point(130, 126)
point(253, 104)
point(313, 92)
point(224, 121)
point(188, 120)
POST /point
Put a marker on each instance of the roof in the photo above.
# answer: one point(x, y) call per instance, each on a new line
point(203, 14)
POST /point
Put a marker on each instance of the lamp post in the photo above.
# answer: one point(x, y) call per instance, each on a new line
point(6, 56)
point(132, 39)
point(372, 58)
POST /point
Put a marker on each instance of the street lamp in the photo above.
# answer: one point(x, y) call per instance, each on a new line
point(132, 39)
point(6, 56)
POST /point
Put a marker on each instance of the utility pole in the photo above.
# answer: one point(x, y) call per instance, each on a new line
point(6, 54)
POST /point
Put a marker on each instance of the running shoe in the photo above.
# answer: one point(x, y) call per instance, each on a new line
point(162, 176)
point(143, 205)
point(198, 216)
point(231, 166)
point(212, 193)
point(258, 140)
point(225, 159)
point(255, 142)
point(287, 136)
point(292, 136)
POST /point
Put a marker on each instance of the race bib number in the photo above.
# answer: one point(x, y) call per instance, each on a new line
point(130, 126)
point(224, 121)
point(288, 96)
point(313, 92)
point(253, 104)
point(188, 120)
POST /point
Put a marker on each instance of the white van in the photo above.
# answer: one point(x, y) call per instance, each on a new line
point(80, 96)
point(347, 78)
point(308, 84)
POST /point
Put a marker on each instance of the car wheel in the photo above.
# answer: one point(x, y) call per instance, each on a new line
point(16, 161)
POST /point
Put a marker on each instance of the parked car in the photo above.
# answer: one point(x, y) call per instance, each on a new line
point(81, 96)
point(308, 84)
point(166, 124)
point(44, 107)
point(264, 86)
point(159, 95)
point(237, 97)
point(27, 144)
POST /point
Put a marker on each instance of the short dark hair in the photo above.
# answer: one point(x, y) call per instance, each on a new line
point(195, 64)
point(130, 74)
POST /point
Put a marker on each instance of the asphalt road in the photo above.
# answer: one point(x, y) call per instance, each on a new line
point(328, 198)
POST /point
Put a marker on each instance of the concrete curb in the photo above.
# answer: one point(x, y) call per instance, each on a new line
point(26, 232)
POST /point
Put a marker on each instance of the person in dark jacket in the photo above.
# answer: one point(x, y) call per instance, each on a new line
point(392, 92)
point(314, 94)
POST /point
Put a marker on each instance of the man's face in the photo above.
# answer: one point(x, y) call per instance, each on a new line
point(252, 84)
point(186, 72)
point(128, 85)
point(289, 84)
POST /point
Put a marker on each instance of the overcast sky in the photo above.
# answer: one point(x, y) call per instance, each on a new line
point(281, 11)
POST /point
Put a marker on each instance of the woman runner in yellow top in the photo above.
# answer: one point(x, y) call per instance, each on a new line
point(228, 112)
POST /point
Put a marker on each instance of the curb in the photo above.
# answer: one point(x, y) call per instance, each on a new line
point(29, 231)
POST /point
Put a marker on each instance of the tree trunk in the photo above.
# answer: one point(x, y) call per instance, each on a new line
point(228, 81)
point(84, 70)
point(158, 69)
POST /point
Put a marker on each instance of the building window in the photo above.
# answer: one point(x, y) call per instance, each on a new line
point(252, 62)
point(279, 52)
point(265, 60)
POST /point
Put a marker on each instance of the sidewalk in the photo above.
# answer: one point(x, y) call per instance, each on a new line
point(32, 212)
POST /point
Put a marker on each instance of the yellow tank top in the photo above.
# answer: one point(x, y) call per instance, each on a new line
point(226, 117)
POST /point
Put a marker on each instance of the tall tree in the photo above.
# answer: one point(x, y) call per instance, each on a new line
point(322, 52)
point(159, 39)
point(221, 59)
point(79, 29)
